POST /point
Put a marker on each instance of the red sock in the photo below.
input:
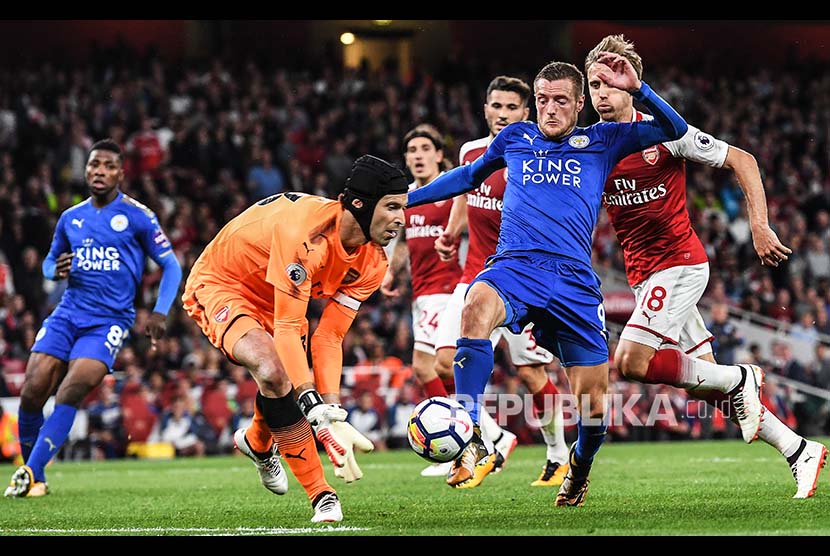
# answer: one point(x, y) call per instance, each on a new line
point(664, 367)
point(434, 388)
point(548, 391)
point(449, 384)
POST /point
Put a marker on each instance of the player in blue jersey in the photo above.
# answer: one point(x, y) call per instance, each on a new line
point(100, 246)
point(541, 271)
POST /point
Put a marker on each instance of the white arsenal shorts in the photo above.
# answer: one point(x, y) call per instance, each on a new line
point(666, 310)
point(522, 347)
point(427, 311)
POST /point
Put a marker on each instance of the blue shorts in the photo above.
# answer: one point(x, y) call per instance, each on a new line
point(71, 337)
point(561, 297)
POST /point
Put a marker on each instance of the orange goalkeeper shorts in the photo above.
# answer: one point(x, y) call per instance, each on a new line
point(224, 315)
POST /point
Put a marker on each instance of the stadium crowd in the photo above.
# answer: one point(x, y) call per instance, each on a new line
point(205, 140)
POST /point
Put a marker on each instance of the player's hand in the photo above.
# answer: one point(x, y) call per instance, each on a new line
point(388, 287)
point(155, 328)
point(63, 265)
point(446, 247)
point(616, 71)
point(768, 246)
point(350, 439)
point(322, 417)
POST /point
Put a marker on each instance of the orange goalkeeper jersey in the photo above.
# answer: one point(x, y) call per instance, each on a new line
point(278, 254)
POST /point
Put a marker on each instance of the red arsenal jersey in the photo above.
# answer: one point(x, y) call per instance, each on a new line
point(484, 205)
point(645, 195)
point(424, 224)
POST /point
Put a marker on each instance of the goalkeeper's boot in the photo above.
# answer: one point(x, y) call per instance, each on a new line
point(326, 508)
point(746, 399)
point(270, 469)
point(504, 445)
point(574, 487)
point(21, 483)
point(553, 474)
point(806, 464)
point(464, 466)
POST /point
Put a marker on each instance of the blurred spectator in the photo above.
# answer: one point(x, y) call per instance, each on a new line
point(379, 370)
point(105, 422)
point(179, 427)
point(726, 336)
point(804, 329)
point(783, 363)
point(145, 151)
point(28, 279)
point(244, 414)
point(397, 416)
point(264, 179)
point(364, 417)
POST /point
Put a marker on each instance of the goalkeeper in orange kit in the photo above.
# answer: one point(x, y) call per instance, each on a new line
point(249, 292)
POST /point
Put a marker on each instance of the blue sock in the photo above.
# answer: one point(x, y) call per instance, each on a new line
point(473, 365)
point(588, 441)
point(52, 436)
point(28, 425)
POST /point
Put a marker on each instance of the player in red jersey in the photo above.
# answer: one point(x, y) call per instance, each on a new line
point(432, 279)
point(479, 211)
point(665, 340)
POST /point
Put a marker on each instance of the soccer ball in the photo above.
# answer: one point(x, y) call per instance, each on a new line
point(439, 429)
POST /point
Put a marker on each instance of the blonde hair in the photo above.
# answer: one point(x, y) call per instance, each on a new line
point(616, 44)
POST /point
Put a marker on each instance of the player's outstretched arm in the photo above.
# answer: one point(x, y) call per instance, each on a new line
point(616, 71)
point(449, 184)
point(171, 277)
point(767, 245)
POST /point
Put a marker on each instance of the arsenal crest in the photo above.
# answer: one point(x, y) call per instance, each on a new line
point(651, 155)
point(222, 314)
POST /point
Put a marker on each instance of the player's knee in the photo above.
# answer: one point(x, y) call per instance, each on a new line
point(271, 377)
point(476, 321)
point(596, 403)
point(73, 392)
point(34, 392)
point(33, 396)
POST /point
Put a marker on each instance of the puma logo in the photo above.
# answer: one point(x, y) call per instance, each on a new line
point(648, 317)
point(51, 444)
point(295, 456)
point(460, 362)
point(78, 223)
point(808, 458)
point(307, 249)
point(529, 139)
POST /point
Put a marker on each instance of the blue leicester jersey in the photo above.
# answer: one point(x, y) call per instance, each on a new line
point(110, 246)
point(554, 186)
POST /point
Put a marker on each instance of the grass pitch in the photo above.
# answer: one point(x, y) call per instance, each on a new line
point(673, 488)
